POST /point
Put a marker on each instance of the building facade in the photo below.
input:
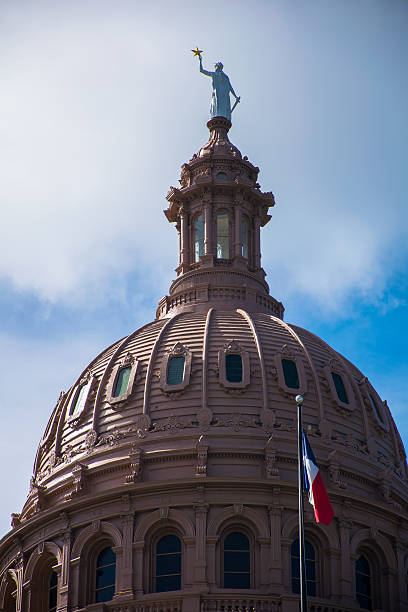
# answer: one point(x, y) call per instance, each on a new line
point(166, 478)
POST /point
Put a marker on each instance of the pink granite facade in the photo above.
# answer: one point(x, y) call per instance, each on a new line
point(140, 453)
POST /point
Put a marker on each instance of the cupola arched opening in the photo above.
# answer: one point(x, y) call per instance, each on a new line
point(223, 241)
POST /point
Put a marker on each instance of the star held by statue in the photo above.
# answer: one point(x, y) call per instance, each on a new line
point(196, 51)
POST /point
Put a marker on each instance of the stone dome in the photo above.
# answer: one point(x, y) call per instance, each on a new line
point(166, 478)
point(248, 428)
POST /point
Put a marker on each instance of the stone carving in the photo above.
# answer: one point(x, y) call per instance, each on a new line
point(136, 463)
point(36, 495)
point(172, 424)
point(271, 468)
point(15, 520)
point(236, 421)
point(334, 471)
point(202, 456)
point(204, 418)
point(79, 480)
point(142, 425)
point(267, 419)
point(164, 513)
point(91, 439)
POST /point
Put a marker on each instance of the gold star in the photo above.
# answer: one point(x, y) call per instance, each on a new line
point(196, 51)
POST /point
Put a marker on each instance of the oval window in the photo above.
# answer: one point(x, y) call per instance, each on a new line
point(233, 368)
point(122, 381)
point(290, 373)
point(340, 388)
point(175, 371)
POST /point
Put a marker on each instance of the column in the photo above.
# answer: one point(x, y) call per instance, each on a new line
point(346, 565)
point(64, 575)
point(19, 574)
point(200, 579)
point(208, 228)
point(257, 242)
point(275, 514)
point(138, 548)
point(238, 236)
point(125, 586)
point(184, 239)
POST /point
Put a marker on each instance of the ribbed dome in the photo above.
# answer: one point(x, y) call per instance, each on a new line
point(107, 440)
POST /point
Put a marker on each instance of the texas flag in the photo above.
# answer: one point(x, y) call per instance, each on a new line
point(314, 484)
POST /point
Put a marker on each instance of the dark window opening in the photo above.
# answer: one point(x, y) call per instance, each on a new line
point(168, 564)
point(233, 368)
point(310, 568)
point(221, 176)
point(237, 566)
point(376, 409)
point(53, 592)
point(290, 373)
point(340, 388)
point(222, 235)
point(175, 371)
point(122, 381)
point(105, 575)
point(363, 584)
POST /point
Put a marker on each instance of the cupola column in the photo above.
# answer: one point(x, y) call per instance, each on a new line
point(208, 238)
point(257, 242)
point(184, 251)
point(238, 233)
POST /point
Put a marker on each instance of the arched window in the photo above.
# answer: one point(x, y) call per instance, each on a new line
point(340, 388)
point(363, 583)
point(237, 563)
point(122, 381)
point(376, 409)
point(233, 367)
point(244, 237)
point(310, 568)
point(221, 176)
point(290, 373)
point(79, 400)
point(222, 235)
point(53, 592)
point(198, 238)
point(175, 371)
point(105, 575)
point(167, 576)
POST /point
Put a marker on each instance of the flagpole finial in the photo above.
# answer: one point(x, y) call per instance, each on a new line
point(299, 399)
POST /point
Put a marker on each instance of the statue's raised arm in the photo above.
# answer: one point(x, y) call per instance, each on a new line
point(220, 101)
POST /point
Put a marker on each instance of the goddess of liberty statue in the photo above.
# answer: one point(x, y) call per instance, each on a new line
point(220, 101)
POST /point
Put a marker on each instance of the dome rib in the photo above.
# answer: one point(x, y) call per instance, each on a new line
point(266, 409)
point(146, 396)
point(309, 360)
point(204, 391)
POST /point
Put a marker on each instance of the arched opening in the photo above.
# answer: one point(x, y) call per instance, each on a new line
point(222, 235)
point(167, 564)
point(363, 583)
point(198, 238)
point(236, 561)
point(105, 575)
point(311, 574)
point(53, 592)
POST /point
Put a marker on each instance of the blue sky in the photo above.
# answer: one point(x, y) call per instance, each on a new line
point(101, 104)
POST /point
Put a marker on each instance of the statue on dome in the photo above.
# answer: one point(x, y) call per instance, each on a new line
point(220, 101)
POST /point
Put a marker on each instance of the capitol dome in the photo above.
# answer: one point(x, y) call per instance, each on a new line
point(166, 478)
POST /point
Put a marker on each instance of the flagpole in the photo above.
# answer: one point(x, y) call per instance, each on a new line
point(302, 562)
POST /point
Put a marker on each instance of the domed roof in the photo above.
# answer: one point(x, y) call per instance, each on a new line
point(97, 438)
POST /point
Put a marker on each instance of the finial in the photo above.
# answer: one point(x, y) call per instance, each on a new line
point(299, 399)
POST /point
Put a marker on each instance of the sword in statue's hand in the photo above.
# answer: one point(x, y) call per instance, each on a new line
point(237, 101)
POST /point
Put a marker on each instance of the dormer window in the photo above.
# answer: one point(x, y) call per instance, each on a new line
point(376, 409)
point(340, 388)
point(233, 363)
point(198, 238)
point(233, 368)
point(290, 373)
point(79, 398)
point(122, 381)
point(222, 235)
point(175, 370)
point(244, 237)
point(79, 401)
